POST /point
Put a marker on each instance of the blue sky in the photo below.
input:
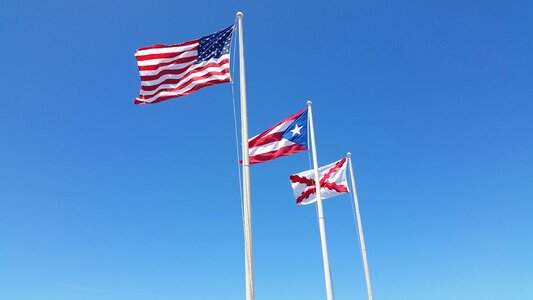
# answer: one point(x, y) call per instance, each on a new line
point(102, 199)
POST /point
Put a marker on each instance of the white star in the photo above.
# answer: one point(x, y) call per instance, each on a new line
point(296, 130)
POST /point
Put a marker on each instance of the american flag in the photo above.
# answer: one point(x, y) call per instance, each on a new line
point(169, 71)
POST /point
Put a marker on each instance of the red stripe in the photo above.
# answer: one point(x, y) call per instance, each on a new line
point(182, 60)
point(334, 187)
point(180, 81)
point(139, 100)
point(254, 141)
point(187, 68)
point(277, 153)
point(179, 71)
point(189, 72)
point(195, 88)
point(161, 46)
point(274, 137)
point(302, 180)
point(306, 194)
point(165, 72)
point(163, 55)
point(188, 81)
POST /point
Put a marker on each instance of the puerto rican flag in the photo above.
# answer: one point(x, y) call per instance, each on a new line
point(285, 138)
point(332, 182)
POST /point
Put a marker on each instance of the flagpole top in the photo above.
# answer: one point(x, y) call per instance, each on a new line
point(348, 154)
point(309, 103)
point(240, 14)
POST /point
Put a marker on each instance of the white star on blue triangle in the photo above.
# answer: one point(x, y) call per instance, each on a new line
point(297, 130)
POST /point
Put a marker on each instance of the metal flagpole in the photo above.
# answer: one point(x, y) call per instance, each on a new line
point(360, 227)
point(247, 209)
point(327, 272)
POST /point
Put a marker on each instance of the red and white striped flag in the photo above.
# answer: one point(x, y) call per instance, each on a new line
point(285, 138)
point(169, 71)
point(332, 182)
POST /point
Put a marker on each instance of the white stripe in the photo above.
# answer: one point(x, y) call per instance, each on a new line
point(165, 50)
point(157, 61)
point(162, 78)
point(186, 78)
point(169, 67)
point(279, 128)
point(270, 147)
point(180, 66)
point(185, 89)
point(178, 75)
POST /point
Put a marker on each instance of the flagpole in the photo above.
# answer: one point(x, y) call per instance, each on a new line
point(247, 209)
point(322, 227)
point(360, 227)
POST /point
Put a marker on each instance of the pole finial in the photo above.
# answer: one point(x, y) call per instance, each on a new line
point(348, 154)
point(309, 102)
point(240, 14)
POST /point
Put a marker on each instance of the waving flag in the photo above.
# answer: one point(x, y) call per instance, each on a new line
point(169, 71)
point(285, 138)
point(332, 182)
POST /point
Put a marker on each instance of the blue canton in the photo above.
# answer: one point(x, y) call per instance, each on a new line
point(214, 45)
point(291, 133)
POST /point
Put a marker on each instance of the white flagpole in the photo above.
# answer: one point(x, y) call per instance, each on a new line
point(247, 209)
point(360, 227)
point(322, 227)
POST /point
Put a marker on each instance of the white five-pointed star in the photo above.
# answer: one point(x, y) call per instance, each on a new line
point(296, 130)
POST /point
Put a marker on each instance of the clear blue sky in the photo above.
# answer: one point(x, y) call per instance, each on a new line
point(101, 199)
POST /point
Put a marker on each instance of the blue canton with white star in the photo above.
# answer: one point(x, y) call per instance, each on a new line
point(214, 45)
point(297, 131)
